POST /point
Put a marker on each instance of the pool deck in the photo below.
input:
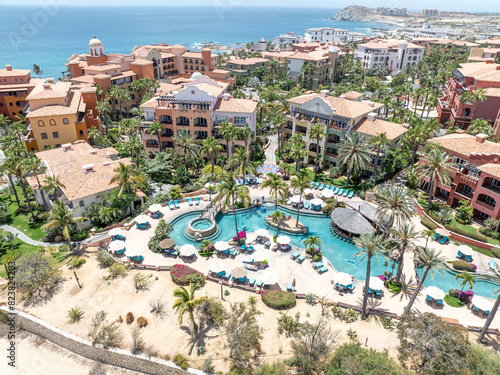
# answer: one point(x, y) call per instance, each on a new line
point(307, 279)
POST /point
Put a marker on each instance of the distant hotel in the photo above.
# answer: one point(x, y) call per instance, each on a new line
point(400, 12)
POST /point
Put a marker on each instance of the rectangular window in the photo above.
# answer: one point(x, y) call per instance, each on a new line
point(55, 134)
point(238, 120)
point(219, 119)
point(44, 135)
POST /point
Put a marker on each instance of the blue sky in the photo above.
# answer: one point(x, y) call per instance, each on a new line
point(479, 5)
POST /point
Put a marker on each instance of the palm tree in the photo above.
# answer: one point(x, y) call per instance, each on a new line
point(34, 164)
point(277, 186)
point(155, 128)
point(404, 234)
point(52, 184)
point(298, 149)
point(211, 147)
point(62, 217)
point(277, 217)
point(414, 138)
point(104, 110)
point(436, 167)
point(317, 132)
point(228, 132)
point(494, 278)
point(114, 94)
point(353, 153)
point(37, 70)
point(16, 165)
point(244, 133)
point(370, 245)
point(10, 173)
point(307, 70)
point(228, 193)
point(467, 99)
point(467, 278)
point(312, 242)
point(185, 147)
point(432, 261)
point(395, 205)
point(186, 302)
point(127, 178)
point(94, 134)
point(240, 164)
point(380, 141)
point(477, 96)
point(279, 123)
point(301, 182)
point(428, 233)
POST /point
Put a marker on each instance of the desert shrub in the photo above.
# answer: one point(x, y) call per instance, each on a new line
point(429, 224)
point(116, 269)
point(137, 341)
point(348, 316)
point(212, 312)
point(288, 325)
point(129, 318)
point(141, 281)
point(77, 262)
point(311, 299)
point(180, 274)
point(227, 292)
point(207, 366)
point(387, 322)
point(197, 279)
point(473, 235)
point(75, 314)
point(201, 350)
point(181, 361)
point(36, 273)
point(279, 299)
point(463, 265)
point(120, 319)
point(142, 322)
point(157, 307)
point(104, 258)
point(104, 333)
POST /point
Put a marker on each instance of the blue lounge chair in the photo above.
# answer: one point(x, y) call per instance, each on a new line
point(257, 180)
point(323, 269)
point(468, 258)
point(301, 258)
point(267, 244)
point(120, 237)
point(140, 258)
point(240, 280)
point(155, 215)
point(234, 253)
point(221, 273)
point(318, 207)
point(312, 206)
point(250, 249)
point(429, 298)
point(317, 264)
point(436, 236)
point(370, 291)
point(306, 205)
point(171, 205)
point(327, 187)
point(487, 312)
point(141, 226)
point(322, 186)
point(249, 261)
point(176, 203)
point(493, 265)
point(312, 184)
point(459, 254)
point(346, 193)
point(440, 302)
point(336, 190)
point(378, 293)
point(316, 185)
point(243, 247)
point(251, 281)
point(190, 201)
point(351, 287)
point(295, 255)
point(259, 284)
point(289, 287)
point(474, 308)
point(120, 252)
point(340, 192)
point(443, 240)
point(227, 275)
point(197, 201)
point(351, 194)
point(174, 253)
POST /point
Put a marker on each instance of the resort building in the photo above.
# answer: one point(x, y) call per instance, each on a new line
point(244, 66)
point(198, 106)
point(340, 117)
point(392, 53)
point(468, 78)
point(484, 54)
point(15, 85)
point(492, 42)
point(288, 38)
point(444, 43)
point(431, 31)
point(57, 114)
point(326, 35)
point(85, 172)
point(476, 173)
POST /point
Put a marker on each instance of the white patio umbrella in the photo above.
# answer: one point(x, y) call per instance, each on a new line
point(117, 245)
point(208, 184)
point(216, 267)
point(249, 176)
point(155, 208)
point(187, 250)
point(317, 201)
point(481, 303)
point(295, 199)
point(132, 252)
point(283, 240)
point(270, 278)
point(343, 278)
point(247, 259)
point(115, 231)
point(221, 245)
point(376, 283)
point(466, 250)
point(308, 191)
point(327, 193)
point(142, 219)
point(435, 292)
point(262, 232)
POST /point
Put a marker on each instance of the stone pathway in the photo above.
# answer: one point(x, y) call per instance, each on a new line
point(270, 155)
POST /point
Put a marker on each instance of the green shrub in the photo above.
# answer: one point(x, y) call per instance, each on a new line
point(362, 195)
point(197, 278)
point(278, 299)
point(473, 235)
point(180, 273)
point(77, 262)
point(311, 299)
point(387, 322)
point(104, 258)
point(463, 265)
point(453, 301)
point(348, 316)
point(116, 269)
point(429, 224)
point(75, 314)
point(288, 325)
point(489, 233)
point(181, 361)
point(63, 248)
point(433, 216)
point(496, 252)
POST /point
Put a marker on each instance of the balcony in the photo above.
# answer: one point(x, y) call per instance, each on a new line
point(464, 194)
point(486, 205)
point(301, 129)
point(491, 188)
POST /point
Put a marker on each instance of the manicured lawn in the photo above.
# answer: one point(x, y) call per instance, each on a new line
point(21, 221)
point(19, 246)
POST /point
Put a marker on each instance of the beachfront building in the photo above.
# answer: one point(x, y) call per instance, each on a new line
point(56, 113)
point(484, 54)
point(444, 43)
point(340, 117)
point(428, 30)
point(15, 85)
point(468, 78)
point(288, 38)
point(492, 42)
point(326, 35)
point(324, 60)
point(391, 53)
point(84, 171)
point(476, 173)
point(244, 66)
point(199, 107)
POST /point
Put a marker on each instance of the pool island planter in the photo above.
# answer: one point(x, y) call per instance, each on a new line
point(301, 229)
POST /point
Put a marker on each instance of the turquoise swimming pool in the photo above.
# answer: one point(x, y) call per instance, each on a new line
point(339, 252)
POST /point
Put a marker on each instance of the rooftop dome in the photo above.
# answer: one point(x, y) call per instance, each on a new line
point(334, 50)
point(262, 40)
point(94, 41)
point(195, 76)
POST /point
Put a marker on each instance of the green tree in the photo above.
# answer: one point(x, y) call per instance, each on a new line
point(277, 187)
point(155, 128)
point(405, 234)
point(277, 217)
point(395, 205)
point(35, 166)
point(36, 273)
point(354, 154)
point(300, 183)
point(211, 147)
point(17, 166)
point(380, 141)
point(186, 303)
point(62, 217)
point(436, 168)
point(52, 184)
point(185, 148)
point(494, 278)
point(298, 149)
point(307, 71)
point(467, 278)
point(317, 133)
point(312, 242)
point(228, 132)
point(480, 126)
point(465, 213)
point(127, 178)
point(240, 162)
point(37, 71)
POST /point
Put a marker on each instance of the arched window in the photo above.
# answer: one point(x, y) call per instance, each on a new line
point(81, 133)
point(65, 121)
point(41, 123)
point(81, 203)
point(52, 122)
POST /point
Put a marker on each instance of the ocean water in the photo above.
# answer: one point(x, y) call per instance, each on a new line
point(49, 35)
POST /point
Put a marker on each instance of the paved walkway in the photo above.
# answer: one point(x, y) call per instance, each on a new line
point(270, 155)
point(23, 237)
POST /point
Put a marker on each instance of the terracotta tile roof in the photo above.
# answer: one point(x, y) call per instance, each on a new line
point(374, 128)
point(249, 61)
point(141, 62)
point(167, 88)
point(74, 105)
point(236, 105)
point(141, 52)
point(102, 76)
point(128, 73)
point(466, 144)
point(208, 88)
point(67, 165)
point(490, 168)
point(194, 55)
point(220, 71)
point(386, 44)
point(481, 71)
point(84, 79)
point(151, 103)
point(104, 67)
point(4, 73)
point(492, 91)
point(166, 54)
point(55, 90)
point(352, 95)
point(277, 54)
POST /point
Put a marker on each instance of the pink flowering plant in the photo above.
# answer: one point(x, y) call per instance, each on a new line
point(180, 273)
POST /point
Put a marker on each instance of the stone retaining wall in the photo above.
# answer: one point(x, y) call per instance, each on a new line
point(114, 357)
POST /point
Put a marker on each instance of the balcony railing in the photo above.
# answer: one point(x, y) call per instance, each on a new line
point(486, 205)
point(492, 188)
point(464, 194)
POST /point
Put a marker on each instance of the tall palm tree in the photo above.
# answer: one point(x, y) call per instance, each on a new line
point(52, 184)
point(404, 234)
point(186, 303)
point(301, 182)
point(317, 132)
point(277, 217)
point(436, 167)
point(104, 110)
point(6, 169)
point(428, 233)
point(467, 99)
point(37, 70)
point(155, 128)
point(431, 261)
point(414, 138)
point(245, 133)
point(240, 163)
point(494, 278)
point(298, 149)
point(228, 132)
point(211, 147)
point(185, 147)
point(277, 186)
point(370, 245)
point(127, 178)
point(467, 278)
point(16, 165)
point(279, 123)
point(62, 217)
point(395, 205)
point(354, 154)
point(380, 141)
point(34, 164)
point(135, 148)
point(229, 193)
point(307, 71)
point(312, 242)
point(477, 96)
point(94, 134)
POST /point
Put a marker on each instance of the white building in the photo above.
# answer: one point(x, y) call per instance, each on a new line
point(430, 31)
point(326, 35)
point(288, 38)
point(392, 53)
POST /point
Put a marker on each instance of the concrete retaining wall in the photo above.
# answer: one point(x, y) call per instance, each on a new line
point(114, 357)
